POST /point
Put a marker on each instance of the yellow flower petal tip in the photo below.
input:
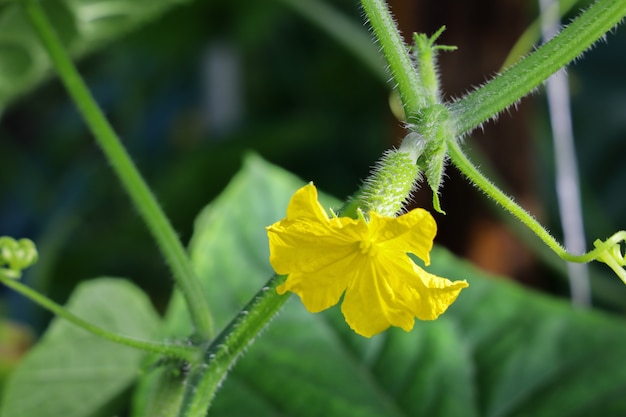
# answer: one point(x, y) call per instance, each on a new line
point(325, 257)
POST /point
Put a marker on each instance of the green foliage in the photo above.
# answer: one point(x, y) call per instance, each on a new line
point(499, 351)
point(72, 373)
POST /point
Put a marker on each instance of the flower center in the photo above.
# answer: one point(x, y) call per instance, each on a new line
point(368, 247)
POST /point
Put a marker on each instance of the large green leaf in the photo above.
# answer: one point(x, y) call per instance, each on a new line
point(72, 373)
point(500, 350)
point(258, 190)
point(82, 25)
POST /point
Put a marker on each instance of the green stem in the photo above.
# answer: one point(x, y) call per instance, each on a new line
point(477, 178)
point(611, 253)
point(126, 171)
point(507, 88)
point(187, 353)
point(228, 346)
point(397, 55)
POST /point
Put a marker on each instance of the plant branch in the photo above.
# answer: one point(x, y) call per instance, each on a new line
point(519, 80)
point(397, 55)
point(479, 180)
point(228, 346)
point(187, 353)
point(129, 176)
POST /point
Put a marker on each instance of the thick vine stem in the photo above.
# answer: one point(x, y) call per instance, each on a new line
point(127, 172)
point(504, 90)
point(223, 352)
point(397, 56)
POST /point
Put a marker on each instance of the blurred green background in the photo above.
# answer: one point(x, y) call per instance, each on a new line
point(193, 87)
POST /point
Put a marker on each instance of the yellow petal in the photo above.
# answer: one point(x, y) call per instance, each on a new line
point(413, 232)
point(307, 241)
point(392, 291)
point(436, 295)
point(376, 299)
point(322, 289)
point(315, 251)
point(304, 205)
point(306, 247)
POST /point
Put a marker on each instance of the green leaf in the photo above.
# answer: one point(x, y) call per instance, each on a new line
point(259, 190)
point(83, 26)
point(500, 350)
point(72, 373)
point(213, 224)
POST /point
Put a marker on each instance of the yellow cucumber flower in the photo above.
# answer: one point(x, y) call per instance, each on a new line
point(368, 260)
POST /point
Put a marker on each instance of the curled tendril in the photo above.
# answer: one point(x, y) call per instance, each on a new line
point(610, 252)
point(16, 255)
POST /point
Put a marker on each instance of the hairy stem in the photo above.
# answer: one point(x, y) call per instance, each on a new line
point(478, 179)
point(397, 55)
point(129, 176)
point(228, 346)
point(519, 80)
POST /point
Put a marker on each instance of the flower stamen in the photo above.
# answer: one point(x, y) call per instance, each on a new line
point(369, 248)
